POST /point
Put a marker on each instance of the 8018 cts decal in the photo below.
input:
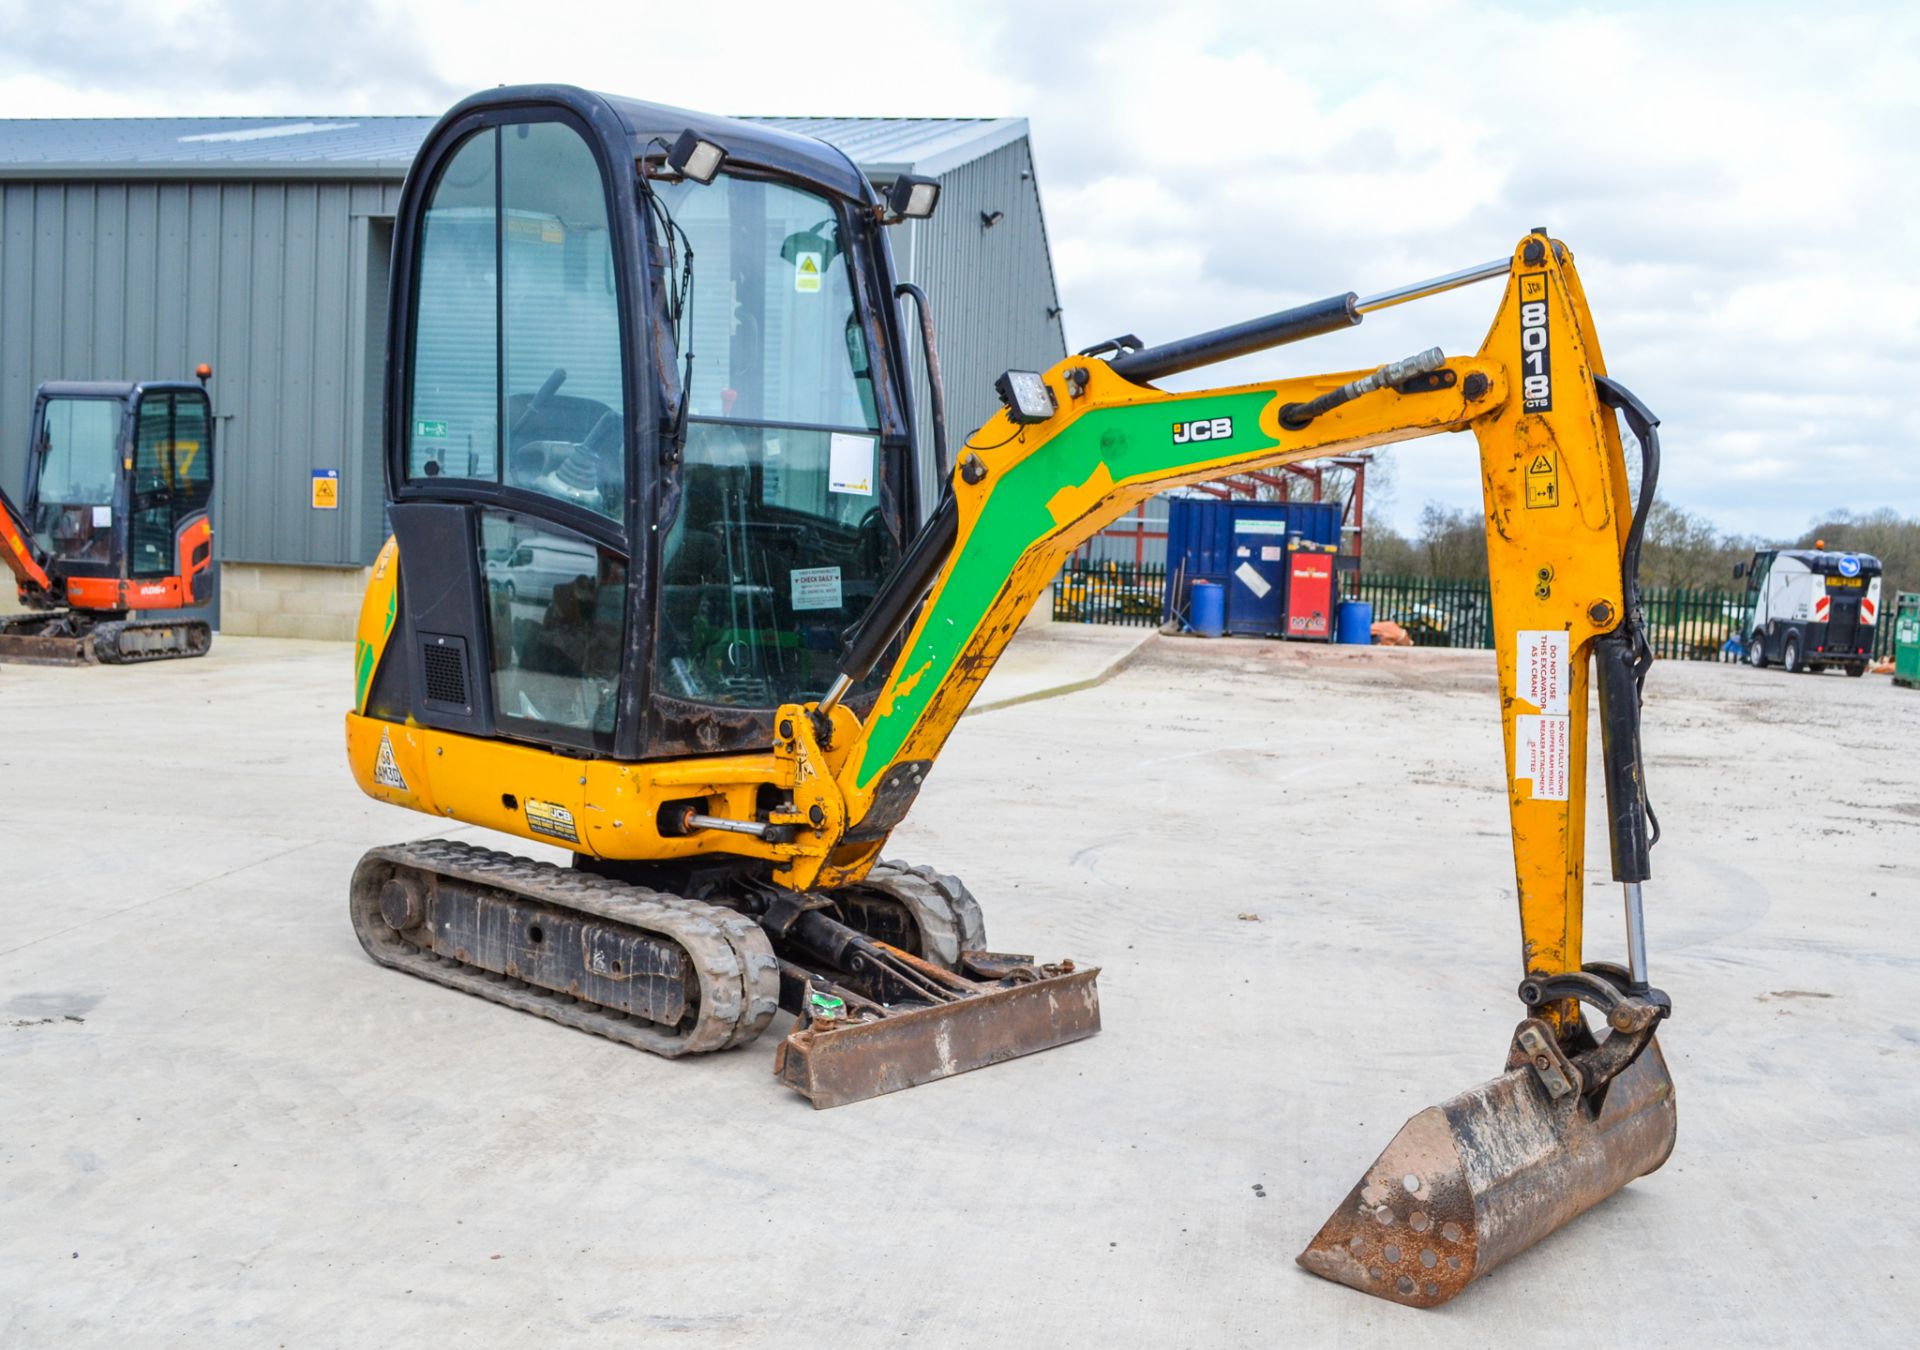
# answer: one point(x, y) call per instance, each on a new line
point(1536, 363)
point(1205, 429)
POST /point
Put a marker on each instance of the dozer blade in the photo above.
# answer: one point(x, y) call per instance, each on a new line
point(1480, 1178)
point(34, 649)
point(832, 1064)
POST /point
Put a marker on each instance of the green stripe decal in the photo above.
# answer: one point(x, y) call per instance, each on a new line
point(1130, 441)
point(363, 657)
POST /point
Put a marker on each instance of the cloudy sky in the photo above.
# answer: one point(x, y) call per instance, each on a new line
point(1740, 182)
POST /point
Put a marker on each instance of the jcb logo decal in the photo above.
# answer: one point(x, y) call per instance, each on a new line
point(1207, 429)
point(1536, 363)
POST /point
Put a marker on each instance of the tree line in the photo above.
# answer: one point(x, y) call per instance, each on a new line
point(1681, 548)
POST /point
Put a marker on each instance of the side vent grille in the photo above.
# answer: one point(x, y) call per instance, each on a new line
point(443, 664)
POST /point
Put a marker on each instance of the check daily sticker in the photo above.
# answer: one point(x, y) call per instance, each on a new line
point(1540, 755)
point(815, 587)
point(1542, 670)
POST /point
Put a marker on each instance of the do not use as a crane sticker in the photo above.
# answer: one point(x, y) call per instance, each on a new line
point(1542, 674)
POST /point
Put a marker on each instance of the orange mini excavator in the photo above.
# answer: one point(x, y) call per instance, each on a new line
point(118, 524)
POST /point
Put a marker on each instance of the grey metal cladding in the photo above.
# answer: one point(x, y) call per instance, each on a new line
point(992, 287)
point(264, 280)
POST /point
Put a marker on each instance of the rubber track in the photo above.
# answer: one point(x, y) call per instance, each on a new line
point(106, 642)
point(734, 964)
point(948, 916)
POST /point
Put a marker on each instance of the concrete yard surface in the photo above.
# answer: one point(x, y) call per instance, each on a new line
point(221, 1124)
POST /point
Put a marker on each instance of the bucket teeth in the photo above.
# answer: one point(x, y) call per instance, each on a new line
point(1481, 1177)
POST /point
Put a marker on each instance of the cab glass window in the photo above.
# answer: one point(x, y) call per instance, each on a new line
point(555, 607)
point(78, 446)
point(453, 426)
point(518, 372)
point(785, 528)
point(150, 529)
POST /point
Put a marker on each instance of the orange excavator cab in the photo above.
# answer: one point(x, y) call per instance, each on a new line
point(116, 527)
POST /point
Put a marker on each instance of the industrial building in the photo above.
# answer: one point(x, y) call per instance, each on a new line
point(137, 248)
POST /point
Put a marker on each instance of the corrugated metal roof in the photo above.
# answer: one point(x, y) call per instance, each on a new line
point(383, 147)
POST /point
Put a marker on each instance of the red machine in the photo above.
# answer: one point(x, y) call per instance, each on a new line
point(117, 526)
point(1309, 590)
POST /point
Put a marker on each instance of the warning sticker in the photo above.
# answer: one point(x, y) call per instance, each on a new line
point(1541, 669)
point(1252, 580)
point(326, 489)
point(385, 771)
point(815, 587)
point(552, 820)
point(1540, 755)
point(806, 273)
point(1543, 479)
point(1270, 553)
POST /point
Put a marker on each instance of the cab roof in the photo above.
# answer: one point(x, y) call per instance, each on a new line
point(120, 389)
point(641, 124)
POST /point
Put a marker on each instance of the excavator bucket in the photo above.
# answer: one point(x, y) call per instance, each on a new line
point(1481, 1177)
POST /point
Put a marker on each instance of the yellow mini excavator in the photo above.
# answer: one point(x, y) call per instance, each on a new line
point(661, 591)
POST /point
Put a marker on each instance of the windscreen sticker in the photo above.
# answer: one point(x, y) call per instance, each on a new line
point(1540, 755)
point(816, 587)
point(1542, 671)
point(102, 517)
point(850, 464)
point(1252, 580)
point(386, 772)
point(806, 273)
point(552, 820)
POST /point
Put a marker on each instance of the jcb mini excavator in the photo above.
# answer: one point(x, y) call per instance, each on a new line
point(660, 591)
point(118, 524)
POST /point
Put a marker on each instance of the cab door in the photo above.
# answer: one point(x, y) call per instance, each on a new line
point(170, 485)
point(150, 490)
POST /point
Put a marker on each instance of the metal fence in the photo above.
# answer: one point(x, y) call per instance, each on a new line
point(1682, 624)
point(1434, 613)
point(1132, 594)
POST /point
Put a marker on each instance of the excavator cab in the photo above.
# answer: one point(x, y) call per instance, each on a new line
point(117, 523)
point(663, 418)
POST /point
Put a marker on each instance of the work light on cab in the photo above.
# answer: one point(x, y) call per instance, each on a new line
point(912, 197)
point(695, 157)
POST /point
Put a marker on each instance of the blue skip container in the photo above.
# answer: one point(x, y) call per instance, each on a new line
point(1353, 623)
point(1208, 609)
